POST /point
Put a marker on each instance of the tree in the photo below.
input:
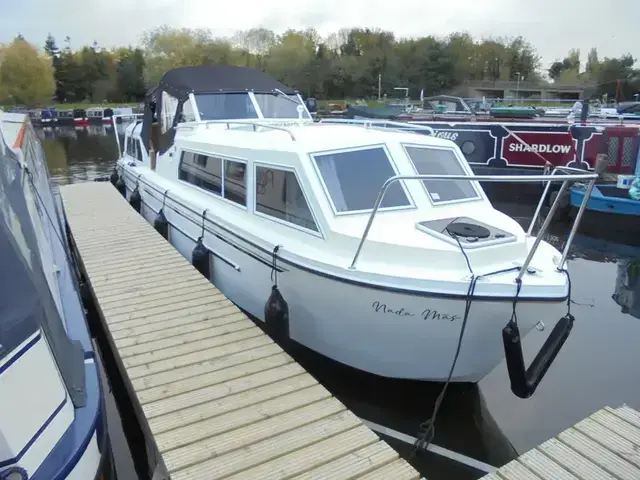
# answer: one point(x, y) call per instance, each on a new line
point(593, 64)
point(26, 77)
point(130, 74)
point(51, 48)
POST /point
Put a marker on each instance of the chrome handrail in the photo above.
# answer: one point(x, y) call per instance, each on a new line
point(601, 164)
point(378, 123)
point(254, 124)
point(115, 131)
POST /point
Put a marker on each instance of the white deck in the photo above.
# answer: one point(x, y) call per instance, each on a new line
point(220, 398)
point(605, 446)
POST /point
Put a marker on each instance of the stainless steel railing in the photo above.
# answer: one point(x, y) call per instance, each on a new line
point(401, 126)
point(565, 179)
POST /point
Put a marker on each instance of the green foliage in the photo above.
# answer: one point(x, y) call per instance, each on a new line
point(26, 77)
point(615, 77)
point(346, 64)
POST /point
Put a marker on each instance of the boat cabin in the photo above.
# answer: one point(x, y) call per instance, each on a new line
point(254, 146)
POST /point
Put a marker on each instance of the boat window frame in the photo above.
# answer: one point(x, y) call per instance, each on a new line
point(412, 205)
point(249, 93)
point(465, 167)
point(256, 105)
point(223, 158)
point(285, 168)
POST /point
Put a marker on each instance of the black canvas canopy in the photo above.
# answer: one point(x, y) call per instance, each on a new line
point(201, 79)
point(180, 82)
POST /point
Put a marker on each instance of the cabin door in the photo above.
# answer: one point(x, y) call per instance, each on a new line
point(622, 148)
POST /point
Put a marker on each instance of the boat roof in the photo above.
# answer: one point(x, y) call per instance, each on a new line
point(180, 82)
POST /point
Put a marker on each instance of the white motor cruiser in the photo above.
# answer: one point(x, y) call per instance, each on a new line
point(379, 239)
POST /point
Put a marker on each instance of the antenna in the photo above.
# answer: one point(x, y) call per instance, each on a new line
point(300, 110)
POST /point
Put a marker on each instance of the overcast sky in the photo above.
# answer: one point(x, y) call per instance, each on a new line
point(552, 26)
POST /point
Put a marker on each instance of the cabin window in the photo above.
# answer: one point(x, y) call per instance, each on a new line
point(138, 149)
point(188, 115)
point(169, 109)
point(225, 106)
point(279, 106)
point(354, 178)
point(278, 195)
point(134, 148)
point(441, 161)
point(235, 181)
point(206, 172)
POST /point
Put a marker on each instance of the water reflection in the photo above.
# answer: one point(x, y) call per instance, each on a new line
point(627, 290)
point(77, 154)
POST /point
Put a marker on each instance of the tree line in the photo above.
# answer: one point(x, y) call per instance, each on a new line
point(351, 63)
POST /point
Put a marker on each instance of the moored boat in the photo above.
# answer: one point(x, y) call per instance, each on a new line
point(98, 115)
point(229, 164)
point(52, 415)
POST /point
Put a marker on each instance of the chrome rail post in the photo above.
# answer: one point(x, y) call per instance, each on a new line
point(478, 178)
point(543, 229)
point(115, 133)
point(376, 205)
point(534, 219)
point(601, 165)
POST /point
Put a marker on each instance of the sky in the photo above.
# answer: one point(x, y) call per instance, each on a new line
point(552, 26)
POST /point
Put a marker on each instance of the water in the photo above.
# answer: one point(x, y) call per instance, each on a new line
point(596, 367)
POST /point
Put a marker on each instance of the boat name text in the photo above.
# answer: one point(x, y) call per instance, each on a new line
point(427, 314)
point(540, 148)
point(447, 135)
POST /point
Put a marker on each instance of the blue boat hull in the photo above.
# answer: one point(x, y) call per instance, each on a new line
point(610, 214)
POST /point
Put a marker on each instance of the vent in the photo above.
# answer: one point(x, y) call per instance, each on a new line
point(471, 233)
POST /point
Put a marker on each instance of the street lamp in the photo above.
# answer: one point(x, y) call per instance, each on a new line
point(518, 86)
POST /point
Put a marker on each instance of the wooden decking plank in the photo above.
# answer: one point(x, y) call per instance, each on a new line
point(193, 346)
point(223, 404)
point(193, 313)
point(204, 316)
point(206, 327)
point(398, 470)
point(188, 434)
point(543, 467)
point(208, 366)
point(604, 446)
point(221, 399)
point(195, 358)
point(605, 459)
point(187, 337)
point(171, 404)
point(352, 465)
point(610, 440)
point(618, 425)
point(221, 465)
point(626, 413)
point(311, 457)
point(517, 471)
point(216, 377)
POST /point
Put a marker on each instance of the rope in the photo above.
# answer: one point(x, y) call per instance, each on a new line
point(204, 216)
point(274, 265)
point(427, 429)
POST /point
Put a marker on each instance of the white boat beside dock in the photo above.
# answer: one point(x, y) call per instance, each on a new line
point(382, 243)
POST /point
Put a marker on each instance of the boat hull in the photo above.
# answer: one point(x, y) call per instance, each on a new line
point(613, 216)
point(383, 331)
